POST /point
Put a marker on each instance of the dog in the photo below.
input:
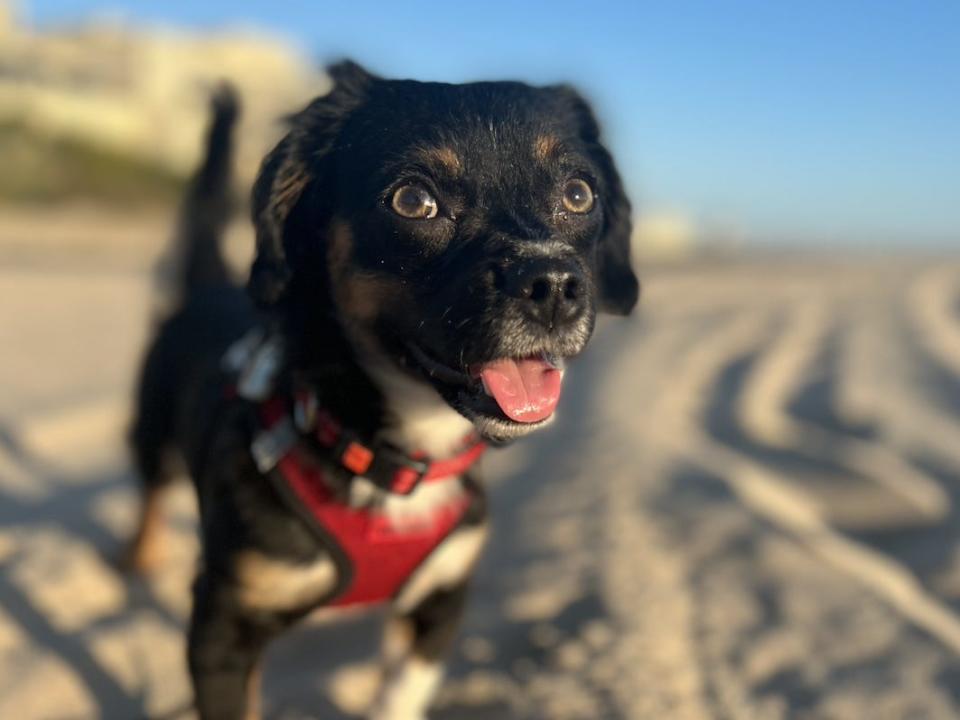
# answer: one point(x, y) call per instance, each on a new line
point(428, 256)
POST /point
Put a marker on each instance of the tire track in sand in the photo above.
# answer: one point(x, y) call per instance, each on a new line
point(771, 497)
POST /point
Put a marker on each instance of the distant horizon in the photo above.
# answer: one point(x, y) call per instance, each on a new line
point(831, 124)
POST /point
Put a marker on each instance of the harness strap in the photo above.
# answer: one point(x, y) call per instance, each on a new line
point(405, 479)
point(383, 464)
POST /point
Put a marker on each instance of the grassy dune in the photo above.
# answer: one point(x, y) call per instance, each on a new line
point(40, 169)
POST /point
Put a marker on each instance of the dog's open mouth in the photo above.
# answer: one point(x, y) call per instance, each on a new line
point(526, 390)
point(523, 391)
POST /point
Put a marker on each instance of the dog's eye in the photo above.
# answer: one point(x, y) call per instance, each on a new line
point(414, 202)
point(577, 196)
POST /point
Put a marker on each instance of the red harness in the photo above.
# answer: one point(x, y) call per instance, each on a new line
point(375, 555)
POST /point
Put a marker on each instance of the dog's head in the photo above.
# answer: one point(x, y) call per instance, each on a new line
point(467, 233)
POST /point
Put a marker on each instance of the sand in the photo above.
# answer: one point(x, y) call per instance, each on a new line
point(744, 510)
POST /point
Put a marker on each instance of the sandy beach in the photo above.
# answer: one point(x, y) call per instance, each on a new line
point(746, 509)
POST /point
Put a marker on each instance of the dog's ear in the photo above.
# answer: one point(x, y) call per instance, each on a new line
point(617, 283)
point(619, 287)
point(297, 161)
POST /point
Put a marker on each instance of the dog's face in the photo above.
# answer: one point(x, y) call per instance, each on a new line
point(469, 233)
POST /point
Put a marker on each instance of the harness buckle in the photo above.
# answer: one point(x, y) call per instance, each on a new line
point(356, 458)
point(404, 480)
point(271, 445)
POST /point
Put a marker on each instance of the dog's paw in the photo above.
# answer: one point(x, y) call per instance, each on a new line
point(407, 693)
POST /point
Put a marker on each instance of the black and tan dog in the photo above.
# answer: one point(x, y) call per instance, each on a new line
point(428, 255)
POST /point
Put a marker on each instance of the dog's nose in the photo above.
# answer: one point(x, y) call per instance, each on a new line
point(551, 291)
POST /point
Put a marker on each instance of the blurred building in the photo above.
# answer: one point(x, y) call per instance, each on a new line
point(672, 235)
point(664, 235)
point(143, 91)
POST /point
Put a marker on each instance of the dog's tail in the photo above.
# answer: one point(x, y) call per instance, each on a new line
point(208, 205)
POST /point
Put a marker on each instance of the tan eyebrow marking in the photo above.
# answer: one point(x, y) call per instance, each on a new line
point(446, 157)
point(545, 146)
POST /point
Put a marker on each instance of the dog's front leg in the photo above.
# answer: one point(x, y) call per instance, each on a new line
point(425, 622)
point(224, 647)
point(415, 646)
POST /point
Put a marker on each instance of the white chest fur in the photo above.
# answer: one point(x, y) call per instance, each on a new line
point(418, 420)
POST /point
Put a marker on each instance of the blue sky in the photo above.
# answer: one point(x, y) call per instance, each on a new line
point(817, 121)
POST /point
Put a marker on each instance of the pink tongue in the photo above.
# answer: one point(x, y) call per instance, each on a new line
point(526, 390)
